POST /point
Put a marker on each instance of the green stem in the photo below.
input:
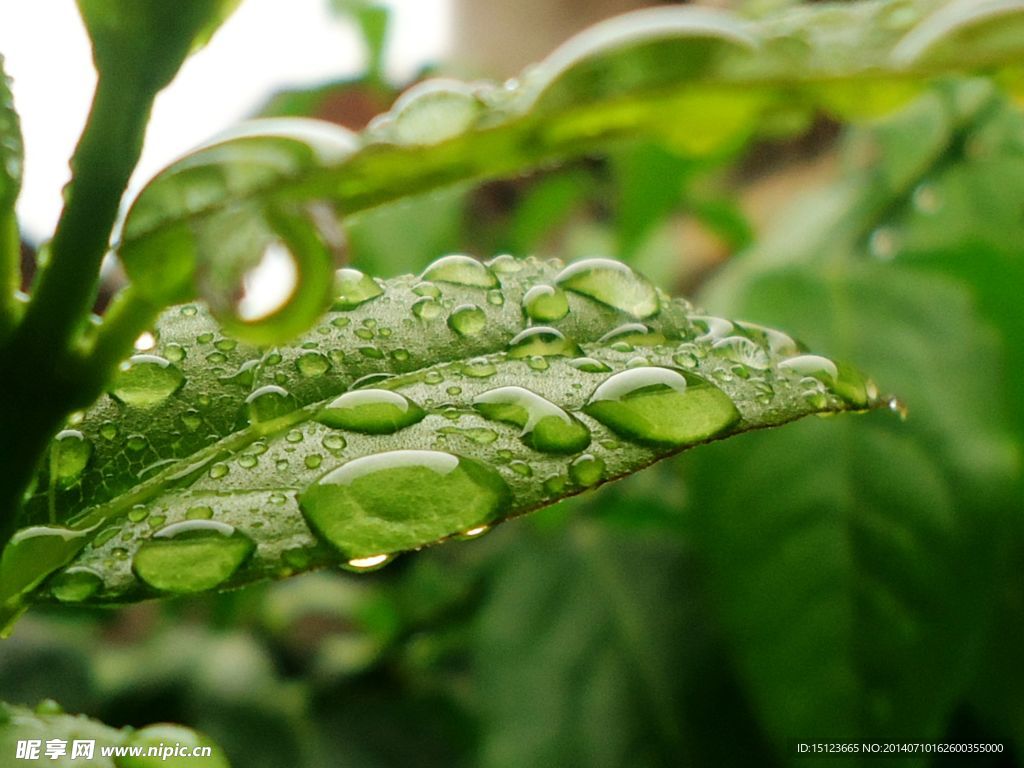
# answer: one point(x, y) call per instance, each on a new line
point(104, 160)
point(128, 315)
point(10, 271)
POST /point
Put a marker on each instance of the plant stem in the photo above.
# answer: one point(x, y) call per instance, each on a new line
point(10, 271)
point(128, 315)
point(104, 160)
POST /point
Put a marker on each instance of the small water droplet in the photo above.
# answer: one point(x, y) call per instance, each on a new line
point(398, 500)
point(589, 365)
point(174, 352)
point(69, 456)
point(927, 199)
point(370, 563)
point(545, 426)
point(312, 364)
point(76, 584)
point(898, 407)
point(334, 443)
point(429, 290)
point(479, 368)
point(541, 340)
point(632, 335)
point(313, 461)
point(611, 283)
point(467, 320)
point(660, 406)
point(352, 288)
point(191, 420)
point(144, 381)
point(108, 430)
point(460, 270)
point(586, 470)
point(521, 468)
point(138, 513)
point(219, 470)
point(505, 264)
point(495, 297)
point(427, 308)
point(545, 303)
point(192, 556)
point(136, 443)
point(371, 411)
point(199, 512)
point(475, 533)
point(269, 403)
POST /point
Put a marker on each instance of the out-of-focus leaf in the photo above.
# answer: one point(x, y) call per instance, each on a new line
point(11, 151)
point(594, 648)
point(478, 392)
point(48, 725)
point(144, 42)
point(868, 570)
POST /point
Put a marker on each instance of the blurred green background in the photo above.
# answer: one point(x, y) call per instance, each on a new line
point(854, 579)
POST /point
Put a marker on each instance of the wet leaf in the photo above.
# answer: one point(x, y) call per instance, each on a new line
point(47, 723)
point(392, 425)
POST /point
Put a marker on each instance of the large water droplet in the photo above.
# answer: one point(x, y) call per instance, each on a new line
point(432, 111)
point(743, 351)
point(312, 364)
point(546, 427)
point(844, 380)
point(69, 456)
point(268, 404)
point(352, 288)
point(460, 270)
point(632, 335)
point(192, 556)
point(662, 407)
point(30, 556)
point(372, 411)
point(76, 584)
point(543, 341)
point(467, 320)
point(545, 303)
point(612, 283)
point(586, 470)
point(146, 380)
point(399, 500)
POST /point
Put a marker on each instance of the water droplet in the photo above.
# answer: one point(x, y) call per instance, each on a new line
point(505, 264)
point(541, 340)
point(480, 435)
point(589, 365)
point(429, 290)
point(433, 377)
point(882, 244)
point(269, 403)
point(191, 420)
point(371, 563)
point(204, 338)
point(743, 351)
point(467, 320)
point(777, 342)
point(334, 443)
point(495, 297)
point(293, 436)
point(371, 411)
point(30, 556)
point(538, 363)
point(479, 368)
point(662, 407)
point(432, 111)
point(545, 303)
point(192, 556)
point(69, 456)
point(136, 443)
point(460, 270)
point(352, 288)
point(632, 335)
point(369, 380)
point(842, 379)
point(898, 407)
point(475, 533)
point(312, 364)
point(927, 199)
point(216, 358)
point(313, 461)
point(174, 352)
point(146, 380)
point(711, 328)
point(545, 426)
point(521, 468)
point(685, 359)
point(108, 430)
point(427, 308)
point(219, 470)
point(364, 333)
point(612, 283)
point(138, 513)
point(199, 512)
point(554, 485)
point(76, 584)
point(398, 500)
point(816, 366)
point(586, 470)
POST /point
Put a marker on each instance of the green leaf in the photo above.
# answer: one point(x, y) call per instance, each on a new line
point(144, 42)
point(11, 158)
point(699, 81)
point(419, 409)
point(49, 724)
point(870, 566)
point(594, 647)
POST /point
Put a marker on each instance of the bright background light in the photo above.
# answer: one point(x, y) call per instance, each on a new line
point(266, 45)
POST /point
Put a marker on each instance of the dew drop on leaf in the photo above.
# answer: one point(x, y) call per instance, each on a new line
point(743, 351)
point(661, 407)
point(427, 308)
point(145, 381)
point(612, 283)
point(312, 364)
point(191, 556)
point(269, 403)
point(389, 502)
point(632, 335)
point(545, 303)
point(545, 426)
point(352, 288)
point(541, 340)
point(76, 584)
point(460, 270)
point(479, 368)
point(467, 320)
point(589, 365)
point(371, 411)
point(586, 470)
point(69, 456)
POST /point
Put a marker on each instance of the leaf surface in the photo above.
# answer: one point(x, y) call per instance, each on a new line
point(419, 409)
